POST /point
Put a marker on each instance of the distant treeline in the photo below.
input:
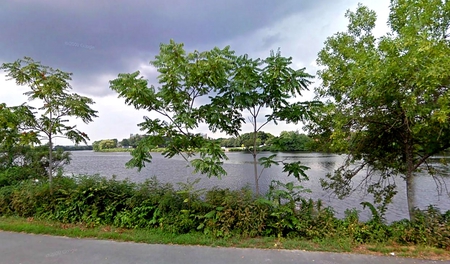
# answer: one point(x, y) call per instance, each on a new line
point(109, 144)
point(74, 148)
point(286, 141)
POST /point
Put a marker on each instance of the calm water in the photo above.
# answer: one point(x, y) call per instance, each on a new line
point(240, 173)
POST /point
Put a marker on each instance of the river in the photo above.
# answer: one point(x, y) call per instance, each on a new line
point(239, 169)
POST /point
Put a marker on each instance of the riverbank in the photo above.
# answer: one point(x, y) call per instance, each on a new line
point(127, 150)
point(87, 203)
point(239, 168)
point(35, 226)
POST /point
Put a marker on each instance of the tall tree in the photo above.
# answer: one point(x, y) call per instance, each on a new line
point(51, 88)
point(257, 87)
point(186, 80)
point(390, 96)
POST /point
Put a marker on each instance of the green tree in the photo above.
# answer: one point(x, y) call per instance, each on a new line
point(259, 86)
point(104, 144)
point(226, 85)
point(185, 79)
point(96, 145)
point(125, 142)
point(107, 144)
point(12, 137)
point(50, 87)
point(21, 159)
point(291, 141)
point(247, 139)
point(134, 140)
point(390, 96)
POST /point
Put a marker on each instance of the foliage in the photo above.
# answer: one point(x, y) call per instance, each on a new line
point(185, 79)
point(94, 201)
point(291, 141)
point(73, 148)
point(286, 141)
point(227, 86)
point(20, 159)
point(132, 141)
point(104, 144)
point(30, 163)
point(256, 85)
point(51, 87)
point(12, 136)
point(234, 212)
point(389, 105)
point(245, 140)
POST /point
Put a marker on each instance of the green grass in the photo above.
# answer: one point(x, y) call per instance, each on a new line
point(155, 236)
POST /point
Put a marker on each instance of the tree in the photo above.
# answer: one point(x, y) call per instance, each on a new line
point(390, 96)
point(291, 141)
point(226, 85)
point(257, 86)
point(51, 87)
point(104, 144)
point(186, 79)
point(12, 138)
point(21, 159)
point(125, 142)
point(107, 144)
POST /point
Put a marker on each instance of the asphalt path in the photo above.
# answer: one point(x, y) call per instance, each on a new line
point(19, 248)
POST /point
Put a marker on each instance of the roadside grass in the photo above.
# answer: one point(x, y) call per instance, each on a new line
point(155, 236)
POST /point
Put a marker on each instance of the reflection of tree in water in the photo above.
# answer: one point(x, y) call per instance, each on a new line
point(439, 164)
point(328, 165)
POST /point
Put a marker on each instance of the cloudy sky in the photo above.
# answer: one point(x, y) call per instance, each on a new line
point(96, 40)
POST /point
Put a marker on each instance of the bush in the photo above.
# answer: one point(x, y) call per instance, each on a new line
point(234, 212)
point(95, 200)
point(430, 228)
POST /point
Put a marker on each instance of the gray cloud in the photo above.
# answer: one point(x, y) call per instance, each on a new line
point(98, 39)
point(92, 38)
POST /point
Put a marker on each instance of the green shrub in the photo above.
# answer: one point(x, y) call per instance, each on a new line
point(430, 228)
point(95, 200)
point(234, 212)
point(5, 200)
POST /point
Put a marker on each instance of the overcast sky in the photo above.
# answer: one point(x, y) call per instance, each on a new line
point(96, 40)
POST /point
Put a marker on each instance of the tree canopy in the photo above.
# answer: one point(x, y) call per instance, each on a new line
point(51, 88)
point(257, 85)
point(389, 97)
point(215, 88)
point(185, 79)
point(291, 141)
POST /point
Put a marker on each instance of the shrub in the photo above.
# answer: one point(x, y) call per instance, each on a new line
point(95, 200)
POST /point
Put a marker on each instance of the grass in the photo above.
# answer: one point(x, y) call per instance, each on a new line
point(155, 236)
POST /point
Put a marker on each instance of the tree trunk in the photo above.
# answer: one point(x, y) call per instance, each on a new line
point(255, 161)
point(255, 167)
point(409, 174)
point(50, 164)
point(410, 195)
point(50, 156)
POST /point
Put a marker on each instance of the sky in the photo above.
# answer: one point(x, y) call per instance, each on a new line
point(97, 40)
